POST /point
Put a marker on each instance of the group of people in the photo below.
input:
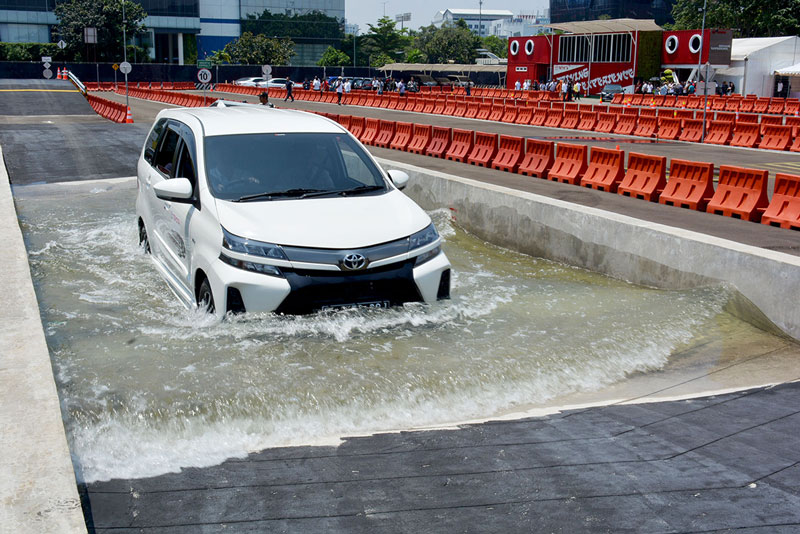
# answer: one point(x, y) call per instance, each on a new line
point(568, 89)
point(677, 89)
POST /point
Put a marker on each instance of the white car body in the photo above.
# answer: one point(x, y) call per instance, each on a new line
point(278, 82)
point(336, 248)
point(249, 82)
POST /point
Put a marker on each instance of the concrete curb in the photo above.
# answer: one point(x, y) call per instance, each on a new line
point(631, 249)
point(38, 490)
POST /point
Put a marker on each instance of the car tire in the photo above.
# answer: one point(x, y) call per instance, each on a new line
point(205, 298)
point(144, 241)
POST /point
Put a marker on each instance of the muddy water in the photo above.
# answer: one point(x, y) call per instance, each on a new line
point(148, 387)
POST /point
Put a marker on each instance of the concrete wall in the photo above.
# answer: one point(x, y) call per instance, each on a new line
point(38, 491)
point(619, 246)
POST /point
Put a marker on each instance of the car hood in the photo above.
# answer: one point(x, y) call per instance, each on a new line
point(333, 222)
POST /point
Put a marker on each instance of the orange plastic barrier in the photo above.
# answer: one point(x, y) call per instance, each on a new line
point(690, 185)
point(524, 116)
point(605, 122)
point(420, 140)
point(645, 178)
point(694, 102)
point(484, 110)
point(741, 193)
point(746, 105)
point(460, 109)
point(371, 127)
point(794, 122)
point(792, 107)
point(509, 114)
point(403, 132)
point(553, 119)
point(617, 98)
point(718, 103)
point(746, 134)
point(394, 101)
point(795, 145)
point(538, 158)
point(438, 108)
point(539, 116)
point(440, 141)
point(746, 117)
point(625, 125)
point(569, 165)
point(587, 121)
point(770, 120)
point(344, 120)
point(784, 209)
point(646, 127)
point(472, 110)
point(357, 127)
point(761, 105)
point(570, 119)
point(460, 147)
point(692, 130)
point(419, 105)
point(496, 113)
point(636, 100)
point(606, 169)
point(430, 104)
point(776, 106)
point(648, 112)
point(733, 104)
point(385, 134)
point(449, 108)
point(719, 133)
point(776, 137)
point(509, 153)
point(484, 150)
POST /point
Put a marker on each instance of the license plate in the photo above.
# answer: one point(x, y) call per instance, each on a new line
point(374, 304)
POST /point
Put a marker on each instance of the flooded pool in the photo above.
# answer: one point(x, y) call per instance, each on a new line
point(148, 387)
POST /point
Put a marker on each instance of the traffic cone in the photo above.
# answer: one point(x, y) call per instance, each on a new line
point(128, 116)
point(58, 77)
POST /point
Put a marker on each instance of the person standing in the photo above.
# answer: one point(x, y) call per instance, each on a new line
point(339, 90)
point(316, 83)
point(401, 87)
point(289, 87)
point(263, 98)
point(577, 89)
point(517, 86)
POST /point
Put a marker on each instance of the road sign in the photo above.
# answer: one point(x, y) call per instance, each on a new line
point(46, 65)
point(62, 44)
point(203, 63)
point(46, 59)
point(115, 66)
point(47, 73)
point(125, 67)
point(266, 71)
point(203, 75)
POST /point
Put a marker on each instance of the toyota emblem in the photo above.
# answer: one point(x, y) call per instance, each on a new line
point(354, 262)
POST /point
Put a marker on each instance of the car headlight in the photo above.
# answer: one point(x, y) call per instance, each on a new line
point(255, 248)
point(251, 266)
point(424, 237)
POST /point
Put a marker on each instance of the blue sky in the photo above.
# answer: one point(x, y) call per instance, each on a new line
point(363, 12)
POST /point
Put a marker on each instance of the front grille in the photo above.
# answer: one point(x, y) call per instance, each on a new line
point(313, 290)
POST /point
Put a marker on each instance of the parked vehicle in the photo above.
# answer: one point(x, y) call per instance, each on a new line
point(249, 81)
point(246, 208)
point(278, 82)
point(608, 92)
point(460, 81)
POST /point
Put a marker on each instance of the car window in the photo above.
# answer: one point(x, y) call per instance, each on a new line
point(251, 164)
point(166, 153)
point(152, 140)
point(185, 167)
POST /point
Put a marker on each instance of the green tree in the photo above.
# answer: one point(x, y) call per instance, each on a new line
point(346, 46)
point(334, 58)
point(105, 15)
point(747, 18)
point(384, 39)
point(415, 55)
point(496, 45)
point(453, 42)
point(380, 60)
point(313, 25)
point(252, 49)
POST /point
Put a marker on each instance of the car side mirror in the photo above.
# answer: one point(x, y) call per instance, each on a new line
point(174, 190)
point(399, 178)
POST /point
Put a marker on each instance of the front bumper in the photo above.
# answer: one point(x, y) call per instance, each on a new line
point(302, 291)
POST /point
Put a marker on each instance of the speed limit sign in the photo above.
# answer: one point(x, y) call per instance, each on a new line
point(203, 75)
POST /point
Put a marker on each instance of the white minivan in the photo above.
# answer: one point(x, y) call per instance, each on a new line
point(251, 209)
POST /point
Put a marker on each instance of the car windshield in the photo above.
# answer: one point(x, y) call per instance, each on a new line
point(613, 88)
point(282, 166)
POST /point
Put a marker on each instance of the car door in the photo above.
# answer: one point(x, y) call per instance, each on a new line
point(163, 242)
point(179, 214)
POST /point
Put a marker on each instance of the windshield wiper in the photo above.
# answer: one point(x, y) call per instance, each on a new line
point(300, 193)
point(361, 189)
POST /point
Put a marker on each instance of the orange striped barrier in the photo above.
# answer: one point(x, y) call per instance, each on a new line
point(509, 153)
point(440, 141)
point(690, 184)
point(403, 132)
point(784, 208)
point(645, 178)
point(484, 149)
point(538, 158)
point(741, 193)
point(421, 139)
point(569, 164)
point(605, 171)
point(461, 145)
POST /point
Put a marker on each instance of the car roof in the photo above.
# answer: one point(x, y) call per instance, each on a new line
point(250, 119)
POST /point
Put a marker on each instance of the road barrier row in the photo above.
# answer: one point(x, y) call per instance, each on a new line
point(741, 193)
point(169, 97)
point(112, 111)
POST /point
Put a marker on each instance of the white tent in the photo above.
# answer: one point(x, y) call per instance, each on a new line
point(754, 62)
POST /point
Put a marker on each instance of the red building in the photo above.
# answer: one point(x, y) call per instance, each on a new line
point(598, 53)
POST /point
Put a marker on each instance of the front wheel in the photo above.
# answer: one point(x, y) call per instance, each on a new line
point(205, 298)
point(144, 242)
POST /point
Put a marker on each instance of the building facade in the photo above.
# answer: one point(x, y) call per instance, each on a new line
point(477, 20)
point(178, 29)
point(577, 10)
point(520, 25)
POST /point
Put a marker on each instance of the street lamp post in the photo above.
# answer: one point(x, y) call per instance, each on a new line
point(125, 51)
